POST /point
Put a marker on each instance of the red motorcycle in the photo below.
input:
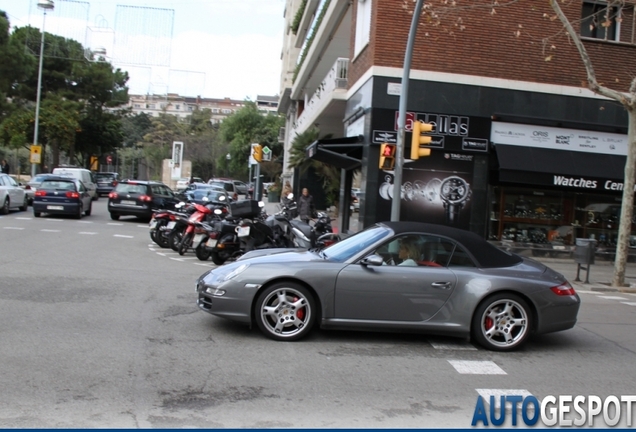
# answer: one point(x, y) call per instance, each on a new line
point(194, 233)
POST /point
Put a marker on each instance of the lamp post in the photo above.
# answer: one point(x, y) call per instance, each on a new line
point(45, 5)
point(228, 157)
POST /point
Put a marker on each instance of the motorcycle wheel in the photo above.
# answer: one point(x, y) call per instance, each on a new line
point(174, 239)
point(217, 258)
point(156, 233)
point(203, 254)
point(185, 244)
point(163, 240)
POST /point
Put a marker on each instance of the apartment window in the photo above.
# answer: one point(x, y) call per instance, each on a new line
point(363, 25)
point(178, 107)
point(599, 21)
point(215, 110)
point(137, 106)
point(227, 111)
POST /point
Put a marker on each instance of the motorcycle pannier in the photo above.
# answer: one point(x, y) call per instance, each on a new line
point(245, 209)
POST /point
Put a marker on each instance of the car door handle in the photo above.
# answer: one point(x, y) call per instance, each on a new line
point(441, 285)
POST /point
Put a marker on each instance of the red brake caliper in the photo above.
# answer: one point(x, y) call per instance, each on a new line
point(300, 313)
point(488, 323)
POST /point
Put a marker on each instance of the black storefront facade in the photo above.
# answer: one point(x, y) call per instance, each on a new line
point(502, 164)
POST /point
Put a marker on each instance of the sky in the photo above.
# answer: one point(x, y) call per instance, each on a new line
point(208, 48)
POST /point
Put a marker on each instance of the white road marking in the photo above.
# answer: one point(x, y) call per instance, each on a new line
point(629, 303)
point(48, 230)
point(204, 265)
point(587, 292)
point(14, 228)
point(87, 233)
point(612, 297)
point(476, 367)
point(115, 224)
point(56, 220)
point(123, 236)
point(451, 345)
point(142, 226)
point(86, 222)
point(486, 393)
point(23, 218)
point(176, 259)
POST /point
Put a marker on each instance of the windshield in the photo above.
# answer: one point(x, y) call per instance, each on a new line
point(345, 249)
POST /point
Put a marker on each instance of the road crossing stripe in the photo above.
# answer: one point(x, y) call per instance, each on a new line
point(629, 303)
point(123, 236)
point(14, 228)
point(451, 345)
point(476, 367)
point(87, 233)
point(48, 230)
point(612, 297)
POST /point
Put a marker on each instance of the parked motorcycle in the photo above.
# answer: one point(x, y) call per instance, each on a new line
point(195, 232)
point(222, 243)
point(305, 235)
point(163, 221)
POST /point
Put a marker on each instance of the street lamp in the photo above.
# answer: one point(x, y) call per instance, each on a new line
point(45, 5)
point(228, 157)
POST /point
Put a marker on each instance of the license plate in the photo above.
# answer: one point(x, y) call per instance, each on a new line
point(171, 224)
point(153, 223)
point(211, 243)
point(125, 202)
point(243, 231)
point(55, 207)
point(198, 238)
point(559, 247)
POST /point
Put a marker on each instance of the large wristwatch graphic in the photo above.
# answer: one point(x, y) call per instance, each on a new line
point(454, 193)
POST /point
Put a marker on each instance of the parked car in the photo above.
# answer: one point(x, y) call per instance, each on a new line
point(34, 183)
point(228, 185)
point(30, 193)
point(139, 198)
point(182, 184)
point(12, 196)
point(83, 175)
point(62, 195)
point(397, 276)
point(241, 187)
point(106, 182)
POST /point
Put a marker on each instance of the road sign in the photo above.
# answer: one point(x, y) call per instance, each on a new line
point(36, 154)
point(267, 154)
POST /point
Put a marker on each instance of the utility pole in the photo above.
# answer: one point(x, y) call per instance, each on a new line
point(404, 93)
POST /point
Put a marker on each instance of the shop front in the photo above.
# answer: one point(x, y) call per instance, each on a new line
point(553, 185)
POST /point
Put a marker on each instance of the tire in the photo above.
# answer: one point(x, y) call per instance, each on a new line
point(25, 204)
point(90, 209)
point(285, 311)
point(502, 322)
point(162, 239)
point(174, 239)
point(5, 207)
point(217, 258)
point(114, 216)
point(36, 214)
point(186, 242)
point(79, 213)
point(203, 254)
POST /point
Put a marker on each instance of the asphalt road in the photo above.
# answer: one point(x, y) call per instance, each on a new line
point(99, 329)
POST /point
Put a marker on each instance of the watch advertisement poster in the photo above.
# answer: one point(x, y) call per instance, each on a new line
point(435, 189)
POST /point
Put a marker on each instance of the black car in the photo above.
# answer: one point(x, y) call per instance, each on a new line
point(62, 195)
point(106, 182)
point(140, 198)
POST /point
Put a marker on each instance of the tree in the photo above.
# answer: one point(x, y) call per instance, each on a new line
point(248, 126)
point(628, 101)
point(446, 16)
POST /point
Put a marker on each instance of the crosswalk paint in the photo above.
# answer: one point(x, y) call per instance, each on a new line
point(87, 233)
point(13, 228)
point(612, 297)
point(477, 367)
point(49, 230)
point(123, 236)
point(629, 303)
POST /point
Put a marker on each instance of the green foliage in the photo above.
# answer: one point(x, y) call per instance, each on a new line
point(298, 17)
point(245, 127)
point(329, 174)
point(311, 38)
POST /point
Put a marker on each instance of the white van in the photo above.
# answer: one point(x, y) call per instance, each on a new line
point(82, 174)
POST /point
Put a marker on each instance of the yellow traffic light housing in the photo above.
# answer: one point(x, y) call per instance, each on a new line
point(257, 152)
point(387, 156)
point(418, 139)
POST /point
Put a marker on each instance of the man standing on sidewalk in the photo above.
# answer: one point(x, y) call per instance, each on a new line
point(306, 208)
point(5, 167)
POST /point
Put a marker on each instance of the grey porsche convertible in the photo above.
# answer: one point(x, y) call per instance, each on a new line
point(394, 276)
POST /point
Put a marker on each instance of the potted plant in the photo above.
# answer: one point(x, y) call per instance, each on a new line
point(273, 193)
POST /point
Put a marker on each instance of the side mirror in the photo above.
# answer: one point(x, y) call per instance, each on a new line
point(372, 260)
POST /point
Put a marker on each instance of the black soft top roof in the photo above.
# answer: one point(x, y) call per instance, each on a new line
point(485, 254)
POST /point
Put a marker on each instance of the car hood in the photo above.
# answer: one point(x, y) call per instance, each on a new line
point(278, 255)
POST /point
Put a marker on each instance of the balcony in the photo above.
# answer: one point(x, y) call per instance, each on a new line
point(326, 106)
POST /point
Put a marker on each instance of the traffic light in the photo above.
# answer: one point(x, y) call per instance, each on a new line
point(257, 152)
point(418, 138)
point(387, 156)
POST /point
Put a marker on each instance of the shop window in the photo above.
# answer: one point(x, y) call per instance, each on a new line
point(599, 21)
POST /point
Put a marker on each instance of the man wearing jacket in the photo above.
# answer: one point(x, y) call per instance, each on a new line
point(306, 208)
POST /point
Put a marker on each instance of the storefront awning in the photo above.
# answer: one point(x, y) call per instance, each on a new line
point(520, 164)
point(344, 153)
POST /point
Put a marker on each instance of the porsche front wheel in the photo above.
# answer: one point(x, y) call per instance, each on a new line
point(285, 311)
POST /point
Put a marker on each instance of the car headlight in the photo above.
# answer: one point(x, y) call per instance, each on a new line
point(237, 271)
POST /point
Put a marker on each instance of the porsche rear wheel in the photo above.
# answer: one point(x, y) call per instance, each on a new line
point(502, 322)
point(285, 311)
